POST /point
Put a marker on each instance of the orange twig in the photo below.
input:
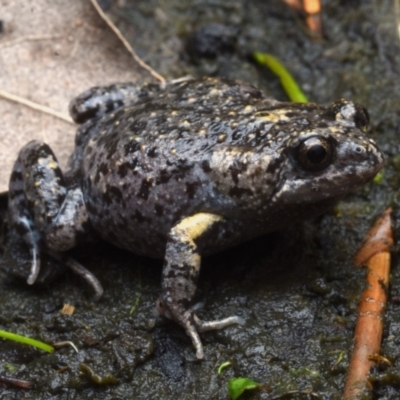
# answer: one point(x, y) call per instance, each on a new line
point(312, 11)
point(312, 6)
point(375, 254)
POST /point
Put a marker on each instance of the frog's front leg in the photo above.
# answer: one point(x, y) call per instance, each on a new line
point(44, 211)
point(180, 274)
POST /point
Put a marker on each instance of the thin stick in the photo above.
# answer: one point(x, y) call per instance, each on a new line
point(369, 327)
point(28, 39)
point(35, 106)
point(20, 383)
point(126, 43)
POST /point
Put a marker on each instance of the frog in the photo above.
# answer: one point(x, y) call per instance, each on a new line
point(183, 169)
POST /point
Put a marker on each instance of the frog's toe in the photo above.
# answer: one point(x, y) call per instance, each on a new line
point(80, 270)
point(193, 334)
point(35, 268)
point(204, 326)
point(195, 325)
point(89, 277)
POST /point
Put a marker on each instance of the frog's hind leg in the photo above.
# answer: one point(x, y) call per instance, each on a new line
point(47, 214)
point(180, 274)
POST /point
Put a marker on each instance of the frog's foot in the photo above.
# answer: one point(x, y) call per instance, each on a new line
point(193, 325)
point(180, 273)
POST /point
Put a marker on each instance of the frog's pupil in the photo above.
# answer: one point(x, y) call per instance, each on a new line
point(316, 154)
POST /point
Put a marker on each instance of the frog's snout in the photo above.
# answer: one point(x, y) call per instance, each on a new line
point(375, 157)
point(362, 157)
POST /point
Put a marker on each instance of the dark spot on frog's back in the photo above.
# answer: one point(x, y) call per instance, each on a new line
point(123, 170)
point(139, 217)
point(164, 177)
point(131, 147)
point(237, 134)
point(205, 165)
point(101, 171)
point(159, 209)
point(179, 167)
point(110, 143)
point(113, 195)
point(88, 150)
point(235, 169)
point(152, 152)
point(191, 189)
point(145, 189)
point(137, 126)
point(115, 192)
point(103, 168)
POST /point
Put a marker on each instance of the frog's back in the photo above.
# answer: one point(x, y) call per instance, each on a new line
point(184, 109)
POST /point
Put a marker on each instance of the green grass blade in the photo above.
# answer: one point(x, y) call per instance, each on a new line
point(289, 84)
point(23, 339)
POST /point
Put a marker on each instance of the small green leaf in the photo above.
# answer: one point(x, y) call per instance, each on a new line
point(10, 367)
point(236, 386)
point(290, 86)
point(339, 360)
point(26, 340)
point(223, 366)
point(378, 179)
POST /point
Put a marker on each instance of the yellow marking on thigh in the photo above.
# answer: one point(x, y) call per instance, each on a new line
point(197, 224)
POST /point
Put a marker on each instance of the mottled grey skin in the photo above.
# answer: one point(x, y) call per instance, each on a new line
point(187, 169)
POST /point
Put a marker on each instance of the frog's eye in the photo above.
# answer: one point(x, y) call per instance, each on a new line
point(315, 153)
point(361, 118)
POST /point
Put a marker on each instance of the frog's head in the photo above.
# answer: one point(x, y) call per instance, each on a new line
point(330, 158)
